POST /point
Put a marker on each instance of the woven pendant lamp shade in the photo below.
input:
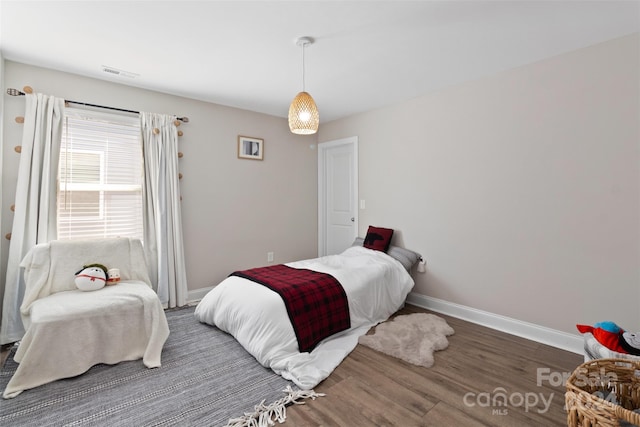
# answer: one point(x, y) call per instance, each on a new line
point(303, 115)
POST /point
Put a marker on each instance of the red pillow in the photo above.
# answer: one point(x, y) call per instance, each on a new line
point(378, 238)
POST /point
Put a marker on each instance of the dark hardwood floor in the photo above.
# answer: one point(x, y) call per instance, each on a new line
point(481, 369)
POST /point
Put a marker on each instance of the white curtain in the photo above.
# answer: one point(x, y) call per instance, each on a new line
point(161, 200)
point(35, 201)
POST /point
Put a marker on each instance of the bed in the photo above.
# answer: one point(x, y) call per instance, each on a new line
point(376, 283)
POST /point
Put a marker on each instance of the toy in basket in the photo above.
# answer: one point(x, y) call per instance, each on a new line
point(607, 340)
point(604, 392)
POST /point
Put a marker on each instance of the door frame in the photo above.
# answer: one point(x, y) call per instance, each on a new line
point(322, 196)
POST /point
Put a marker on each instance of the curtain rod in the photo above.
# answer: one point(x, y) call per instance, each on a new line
point(16, 92)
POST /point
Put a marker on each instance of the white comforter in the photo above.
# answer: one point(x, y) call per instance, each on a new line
point(376, 286)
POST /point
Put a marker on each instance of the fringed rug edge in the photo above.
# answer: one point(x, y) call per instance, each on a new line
point(267, 415)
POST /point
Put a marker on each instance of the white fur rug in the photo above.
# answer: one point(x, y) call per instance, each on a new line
point(410, 337)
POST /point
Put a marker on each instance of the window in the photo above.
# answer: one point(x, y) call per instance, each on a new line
point(100, 176)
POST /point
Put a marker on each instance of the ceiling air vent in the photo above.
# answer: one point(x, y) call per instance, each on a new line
point(120, 73)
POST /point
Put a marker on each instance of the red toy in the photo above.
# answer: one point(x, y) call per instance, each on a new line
point(613, 337)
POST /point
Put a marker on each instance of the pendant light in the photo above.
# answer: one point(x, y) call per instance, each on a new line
point(303, 113)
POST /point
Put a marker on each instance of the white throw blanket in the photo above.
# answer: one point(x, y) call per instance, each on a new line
point(376, 286)
point(69, 330)
point(51, 267)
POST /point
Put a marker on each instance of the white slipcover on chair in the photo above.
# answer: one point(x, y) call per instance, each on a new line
point(68, 330)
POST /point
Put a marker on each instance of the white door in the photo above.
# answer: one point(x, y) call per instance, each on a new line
point(338, 195)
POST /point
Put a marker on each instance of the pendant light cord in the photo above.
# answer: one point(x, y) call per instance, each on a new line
point(303, 46)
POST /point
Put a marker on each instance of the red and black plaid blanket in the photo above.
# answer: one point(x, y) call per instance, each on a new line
point(316, 302)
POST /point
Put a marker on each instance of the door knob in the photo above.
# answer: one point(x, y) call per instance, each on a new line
point(353, 219)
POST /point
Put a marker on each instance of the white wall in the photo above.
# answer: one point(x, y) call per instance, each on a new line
point(233, 211)
point(2, 206)
point(521, 190)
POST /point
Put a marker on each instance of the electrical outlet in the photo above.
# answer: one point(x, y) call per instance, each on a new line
point(269, 256)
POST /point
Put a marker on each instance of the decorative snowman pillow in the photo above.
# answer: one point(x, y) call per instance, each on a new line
point(91, 278)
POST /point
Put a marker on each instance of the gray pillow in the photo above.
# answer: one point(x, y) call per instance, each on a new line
point(406, 257)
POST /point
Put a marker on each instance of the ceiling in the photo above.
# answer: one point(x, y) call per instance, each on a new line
point(366, 55)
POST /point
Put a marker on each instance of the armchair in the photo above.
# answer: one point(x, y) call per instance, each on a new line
point(68, 330)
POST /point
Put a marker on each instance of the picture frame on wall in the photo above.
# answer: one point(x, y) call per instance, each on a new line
point(250, 148)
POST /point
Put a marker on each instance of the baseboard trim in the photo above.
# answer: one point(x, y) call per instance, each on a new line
point(196, 295)
point(531, 331)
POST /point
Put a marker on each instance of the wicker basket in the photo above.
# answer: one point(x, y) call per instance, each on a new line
point(604, 392)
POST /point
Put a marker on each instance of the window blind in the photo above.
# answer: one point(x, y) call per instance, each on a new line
point(100, 176)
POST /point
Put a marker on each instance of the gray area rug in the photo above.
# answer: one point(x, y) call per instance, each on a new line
point(410, 337)
point(206, 378)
